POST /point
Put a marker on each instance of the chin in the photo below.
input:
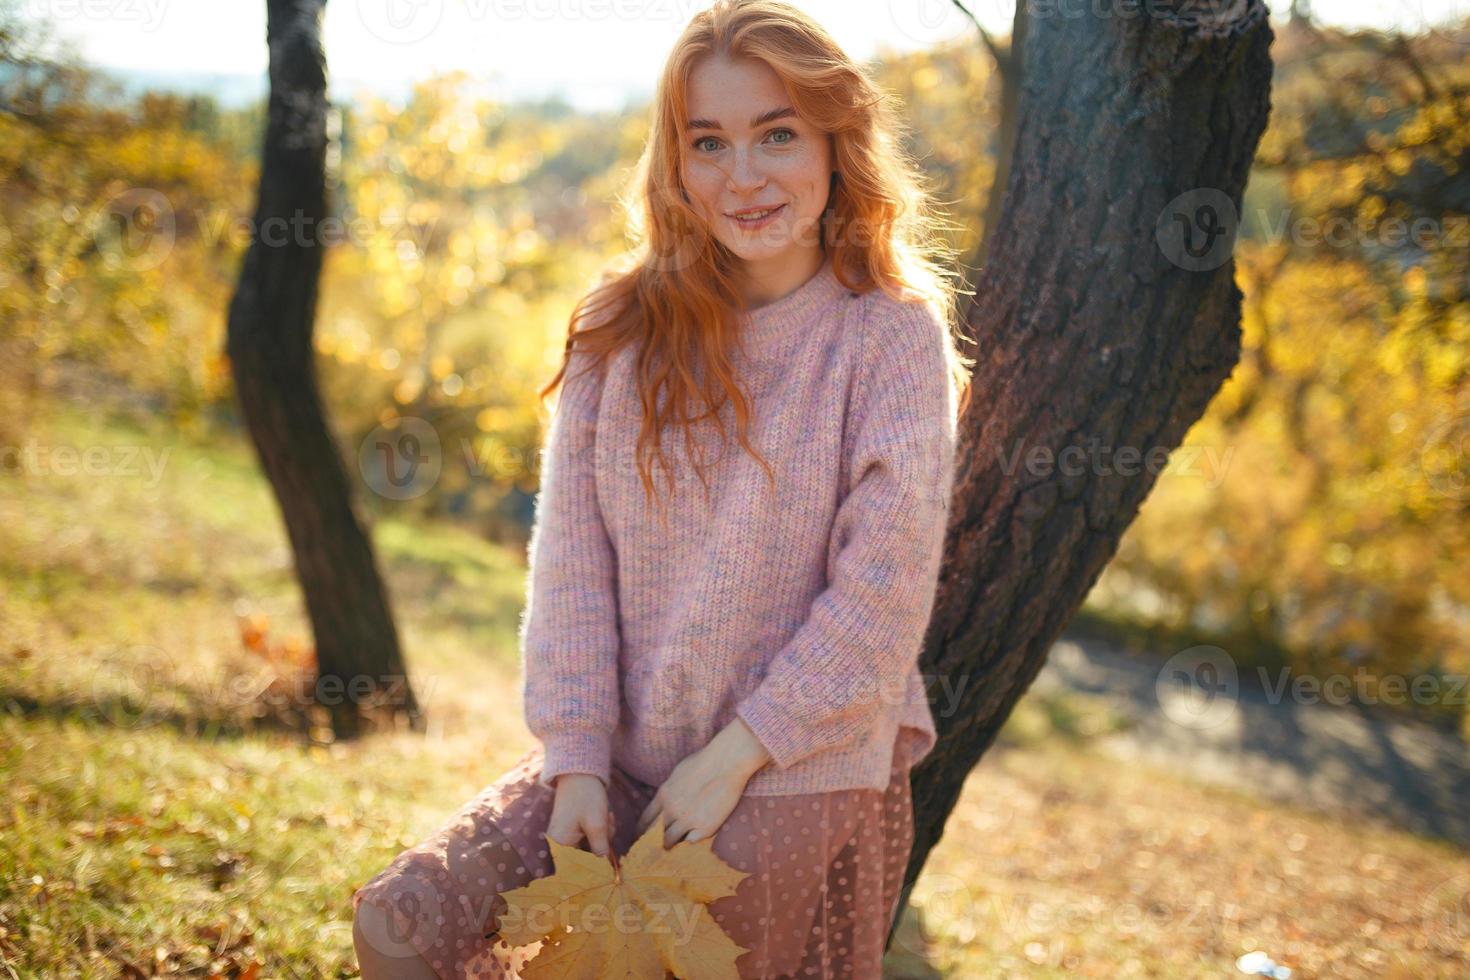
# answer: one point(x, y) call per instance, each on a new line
point(760, 251)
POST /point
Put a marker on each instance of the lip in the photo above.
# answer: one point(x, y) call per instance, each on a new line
point(734, 216)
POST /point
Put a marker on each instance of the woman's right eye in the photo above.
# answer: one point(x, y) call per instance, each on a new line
point(704, 139)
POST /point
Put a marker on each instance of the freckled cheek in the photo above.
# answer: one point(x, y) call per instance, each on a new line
point(704, 182)
point(803, 177)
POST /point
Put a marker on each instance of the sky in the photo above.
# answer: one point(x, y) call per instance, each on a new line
point(594, 53)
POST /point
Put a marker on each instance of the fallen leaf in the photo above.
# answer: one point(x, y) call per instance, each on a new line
point(643, 916)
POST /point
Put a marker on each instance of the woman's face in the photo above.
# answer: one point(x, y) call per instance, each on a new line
point(745, 147)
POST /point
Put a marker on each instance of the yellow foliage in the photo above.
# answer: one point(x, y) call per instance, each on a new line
point(641, 917)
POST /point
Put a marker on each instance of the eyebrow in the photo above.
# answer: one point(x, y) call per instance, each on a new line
point(770, 115)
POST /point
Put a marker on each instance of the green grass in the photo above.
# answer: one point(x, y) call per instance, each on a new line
point(147, 825)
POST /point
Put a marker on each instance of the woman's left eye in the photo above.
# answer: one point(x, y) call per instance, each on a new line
point(787, 132)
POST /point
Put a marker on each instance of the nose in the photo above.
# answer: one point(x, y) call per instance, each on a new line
point(745, 175)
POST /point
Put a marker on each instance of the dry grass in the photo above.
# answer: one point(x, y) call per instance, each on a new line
point(145, 826)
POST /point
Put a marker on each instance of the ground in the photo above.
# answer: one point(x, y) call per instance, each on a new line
point(149, 824)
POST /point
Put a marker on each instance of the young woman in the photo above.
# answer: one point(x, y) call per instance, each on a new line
point(720, 632)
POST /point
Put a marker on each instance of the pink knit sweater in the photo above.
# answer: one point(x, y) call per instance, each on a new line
point(802, 608)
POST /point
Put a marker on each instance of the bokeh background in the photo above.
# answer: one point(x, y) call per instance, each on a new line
point(173, 804)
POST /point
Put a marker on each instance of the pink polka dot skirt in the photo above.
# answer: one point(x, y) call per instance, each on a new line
point(825, 870)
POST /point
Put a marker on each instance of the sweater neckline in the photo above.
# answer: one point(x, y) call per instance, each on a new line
point(786, 315)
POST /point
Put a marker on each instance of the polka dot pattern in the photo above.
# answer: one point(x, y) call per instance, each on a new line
point(824, 874)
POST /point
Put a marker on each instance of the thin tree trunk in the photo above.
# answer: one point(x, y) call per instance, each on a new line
point(1106, 319)
point(269, 343)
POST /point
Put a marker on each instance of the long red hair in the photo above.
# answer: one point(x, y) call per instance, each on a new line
point(674, 294)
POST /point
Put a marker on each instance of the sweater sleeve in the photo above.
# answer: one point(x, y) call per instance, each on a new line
point(865, 631)
point(569, 633)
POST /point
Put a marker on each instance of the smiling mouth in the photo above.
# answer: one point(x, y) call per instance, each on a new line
point(755, 217)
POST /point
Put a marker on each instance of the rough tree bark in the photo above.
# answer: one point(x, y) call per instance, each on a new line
point(269, 344)
point(1107, 316)
point(1010, 68)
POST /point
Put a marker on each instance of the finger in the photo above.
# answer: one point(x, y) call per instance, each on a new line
point(564, 837)
point(563, 831)
point(674, 832)
point(597, 836)
point(646, 817)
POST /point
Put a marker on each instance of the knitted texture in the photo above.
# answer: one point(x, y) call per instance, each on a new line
point(800, 607)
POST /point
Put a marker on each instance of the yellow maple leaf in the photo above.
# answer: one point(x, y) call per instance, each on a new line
point(640, 918)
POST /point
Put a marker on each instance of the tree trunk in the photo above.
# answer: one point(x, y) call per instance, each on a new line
point(269, 345)
point(1106, 319)
point(1010, 68)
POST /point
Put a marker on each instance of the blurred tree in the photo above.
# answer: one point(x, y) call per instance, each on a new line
point(112, 267)
point(1107, 316)
point(271, 320)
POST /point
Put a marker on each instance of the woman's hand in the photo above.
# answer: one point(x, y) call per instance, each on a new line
point(581, 813)
point(704, 789)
